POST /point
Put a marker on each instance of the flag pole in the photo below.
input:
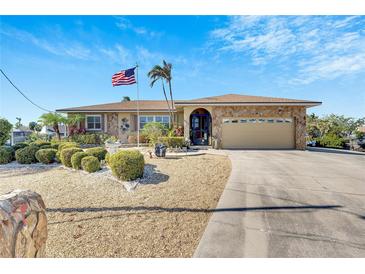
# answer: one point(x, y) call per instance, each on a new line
point(137, 105)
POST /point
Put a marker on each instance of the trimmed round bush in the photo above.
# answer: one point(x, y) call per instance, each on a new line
point(40, 143)
point(90, 164)
point(55, 145)
point(64, 145)
point(66, 155)
point(19, 146)
point(76, 159)
point(6, 155)
point(46, 156)
point(127, 165)
point(98, 152)
point(26, 155)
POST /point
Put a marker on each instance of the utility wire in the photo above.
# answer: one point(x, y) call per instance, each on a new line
point(3, 73)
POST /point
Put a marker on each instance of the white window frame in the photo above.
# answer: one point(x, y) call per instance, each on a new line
point(87, 124)
point(153, 119)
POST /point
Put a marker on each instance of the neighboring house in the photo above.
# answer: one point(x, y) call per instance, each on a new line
point(19, 135)
point(50, 131)
point(227, 121)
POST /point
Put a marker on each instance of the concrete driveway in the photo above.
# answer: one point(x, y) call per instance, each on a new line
point(289, 204)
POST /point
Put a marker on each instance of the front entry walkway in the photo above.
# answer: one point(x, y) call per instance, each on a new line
point(289, 204)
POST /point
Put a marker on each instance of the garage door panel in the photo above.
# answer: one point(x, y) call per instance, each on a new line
point(258, 135)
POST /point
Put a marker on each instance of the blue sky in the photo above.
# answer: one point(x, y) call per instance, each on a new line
point(65, 61)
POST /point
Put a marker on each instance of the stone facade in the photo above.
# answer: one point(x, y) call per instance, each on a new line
point(112, 123)
point(298, 113)
point(23, 225)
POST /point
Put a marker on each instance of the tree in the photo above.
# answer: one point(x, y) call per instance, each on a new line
point(5, 129)
point(53, 120)
point(163, 73)
point(72, 121)
point(126, 99)
point(153, 130)
point(18, 124)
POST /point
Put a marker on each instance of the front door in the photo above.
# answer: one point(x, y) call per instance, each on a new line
point(200, 129)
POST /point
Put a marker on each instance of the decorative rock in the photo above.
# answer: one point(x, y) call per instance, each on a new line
point(23, 225)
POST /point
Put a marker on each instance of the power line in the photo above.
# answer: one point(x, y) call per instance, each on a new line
point(3, 73)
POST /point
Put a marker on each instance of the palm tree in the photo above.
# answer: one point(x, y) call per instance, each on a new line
point(163, 73)
point(53, 120)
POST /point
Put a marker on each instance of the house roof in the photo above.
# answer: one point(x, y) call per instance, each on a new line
point(230, 99)
point(161, 106)
point(144, 105)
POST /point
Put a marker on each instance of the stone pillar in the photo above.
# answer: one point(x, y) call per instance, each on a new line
point(112, 124)
point(23, 225)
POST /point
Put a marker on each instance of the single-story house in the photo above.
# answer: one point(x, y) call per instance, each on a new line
point(226, 121)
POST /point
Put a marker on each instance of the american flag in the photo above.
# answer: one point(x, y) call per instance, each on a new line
point(124, 77)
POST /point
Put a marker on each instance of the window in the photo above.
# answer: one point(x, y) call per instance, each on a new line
point(225, 121)
point(288, 120)
point(93, 122)
point(252, 120)
point(243, 120)
point(235, 121)
point(270, 121)
point(279, 120)
point(165, 120)
point(261, 120)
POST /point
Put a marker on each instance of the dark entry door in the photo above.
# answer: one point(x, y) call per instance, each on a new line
point(200, 129)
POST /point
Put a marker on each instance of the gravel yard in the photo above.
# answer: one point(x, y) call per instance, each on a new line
point(92, 215)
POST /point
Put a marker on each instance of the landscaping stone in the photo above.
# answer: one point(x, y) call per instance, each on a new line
point(23, 230)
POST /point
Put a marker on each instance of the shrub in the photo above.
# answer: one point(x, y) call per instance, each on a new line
point(127, 164)
point(90, 138)
point(5, 129)
point(46, 156)
point(19, 146)
point(6, 155)
point(331, 140)
point(40, 143)
point(26, 155)
point(107, 158)
point(45, 146)
point(66, 154)
point(63, 145)
point(172, 141)
point(55, 145)
point(153, 131)
point(76, 159)
point(90, 164)
point(98, 152)
point(132, 138)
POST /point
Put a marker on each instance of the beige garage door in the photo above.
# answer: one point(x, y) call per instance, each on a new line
point(258, 133)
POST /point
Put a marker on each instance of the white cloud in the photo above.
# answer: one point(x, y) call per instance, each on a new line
point(59, 47)
point(318, 47)
point(124, 24)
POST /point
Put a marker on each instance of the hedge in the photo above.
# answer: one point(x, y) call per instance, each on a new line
point(6, 155)
point(76, 159)
point(26, 155)
point(19, 146)
point(66, 154)
point(98, 152)
point(90, 164)
point(46, 156)
point(90, 138)
point(172, 142)
point(127, 165)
